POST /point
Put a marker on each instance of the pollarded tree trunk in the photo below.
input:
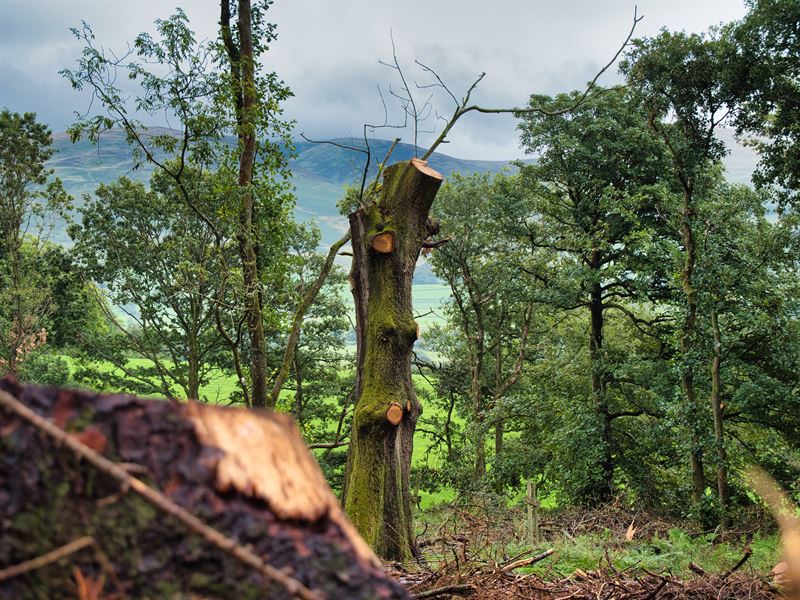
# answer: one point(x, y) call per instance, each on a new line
point(387, 239)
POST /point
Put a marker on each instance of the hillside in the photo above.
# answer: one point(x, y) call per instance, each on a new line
point(319, 171)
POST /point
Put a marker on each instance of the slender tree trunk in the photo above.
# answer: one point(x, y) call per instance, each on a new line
point(247, 244)
point(605, 489)
point(298, 394)
point(245, 99)
point(193, 387)
point(480, 444)
point(387, 239)
point(499, 430)
point(476, 392)
point(17, 331)
point(687, 346)
point(716, 406)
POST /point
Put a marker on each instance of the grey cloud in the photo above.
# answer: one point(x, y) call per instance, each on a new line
point(328, 52)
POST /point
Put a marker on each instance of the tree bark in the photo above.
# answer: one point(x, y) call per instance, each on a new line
point(716, 406)
point(247, 475)
point(245, 100)
point(499, 430)
point(376, 496)
point(194, 366)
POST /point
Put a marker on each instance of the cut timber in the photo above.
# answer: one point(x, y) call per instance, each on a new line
point(394, 414)
point(422, 167)
point(383, 242)
point(246, 475)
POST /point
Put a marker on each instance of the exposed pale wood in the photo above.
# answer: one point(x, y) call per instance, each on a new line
point(394, 414)
point(422, 167)
point(286, 475)
point(383, 242)
point(528, 561)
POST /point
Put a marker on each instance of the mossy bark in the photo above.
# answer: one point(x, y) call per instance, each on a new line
point(377, 496)
point(288, 517)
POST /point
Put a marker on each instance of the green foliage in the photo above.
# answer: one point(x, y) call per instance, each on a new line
point(45, 368)
point(158, 261)
point(29, 194)
point(764, 78)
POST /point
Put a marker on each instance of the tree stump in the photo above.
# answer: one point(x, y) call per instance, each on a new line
point(246, 474)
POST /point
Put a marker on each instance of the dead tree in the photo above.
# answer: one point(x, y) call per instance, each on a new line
point(148, 498)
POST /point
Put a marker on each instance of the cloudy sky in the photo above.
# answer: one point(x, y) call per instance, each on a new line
point(328, 52)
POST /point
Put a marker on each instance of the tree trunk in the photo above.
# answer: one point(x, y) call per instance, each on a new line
point(193, 384)
point(16, 332)
point(246, 474)
point(499, 430)
point(387, 239)
point(298, 393)
point(687, 347)
point(246, 236)
point(605, 489)
point(480, 444)
point(716, 406)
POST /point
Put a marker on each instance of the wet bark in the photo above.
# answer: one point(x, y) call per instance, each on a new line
point(386, 238)
point(263, 490)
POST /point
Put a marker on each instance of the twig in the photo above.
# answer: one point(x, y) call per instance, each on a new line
point(748, 552)
point(527, 561)
point(437, 243)
point(697, 569)
point(453, 590)
point(159, 500)
point(46, 559)
point(328, 445)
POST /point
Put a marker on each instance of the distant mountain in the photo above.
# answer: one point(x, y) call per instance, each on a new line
point(335, 163)
point(319, 171)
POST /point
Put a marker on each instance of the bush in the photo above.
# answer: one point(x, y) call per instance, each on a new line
point(45, 368)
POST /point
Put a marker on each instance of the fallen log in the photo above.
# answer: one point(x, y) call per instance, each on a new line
point(229, 503)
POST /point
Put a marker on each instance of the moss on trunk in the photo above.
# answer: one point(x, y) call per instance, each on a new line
point(377, 497)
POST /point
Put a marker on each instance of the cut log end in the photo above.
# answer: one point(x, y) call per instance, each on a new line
point(422, 167)
point(394, 414)
point(224, 487)
point(383, 242)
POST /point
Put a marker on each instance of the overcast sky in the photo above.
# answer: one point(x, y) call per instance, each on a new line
point(328, 51)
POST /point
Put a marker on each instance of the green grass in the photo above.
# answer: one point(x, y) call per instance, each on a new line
point(671, 553)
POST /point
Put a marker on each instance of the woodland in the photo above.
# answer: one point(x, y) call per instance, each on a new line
point(202, 399)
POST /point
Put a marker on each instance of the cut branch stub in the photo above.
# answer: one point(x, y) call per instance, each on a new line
point(383, 241)
point(394, 414)
point(422, 167)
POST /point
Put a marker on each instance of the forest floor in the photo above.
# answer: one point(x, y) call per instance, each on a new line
point(608, 553)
